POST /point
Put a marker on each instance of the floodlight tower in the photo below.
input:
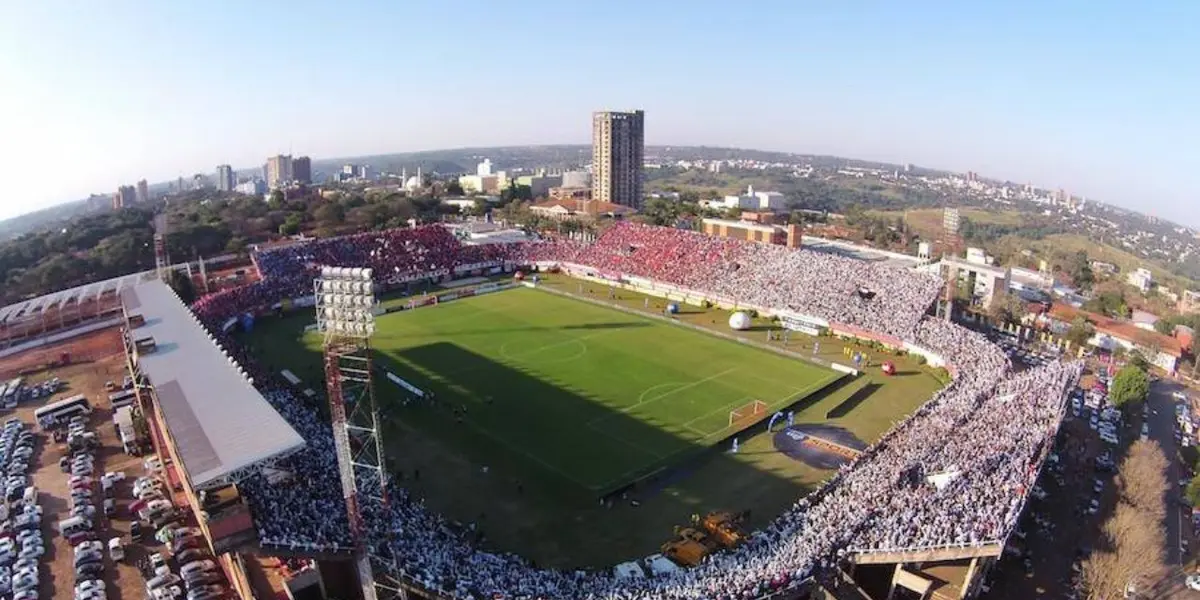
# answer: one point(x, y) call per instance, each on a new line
point(345, 303)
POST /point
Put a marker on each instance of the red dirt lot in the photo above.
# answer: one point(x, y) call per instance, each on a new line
point(123, 580)
point(83, 349)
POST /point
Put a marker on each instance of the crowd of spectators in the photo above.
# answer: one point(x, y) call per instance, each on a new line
point(865, 294)
point(954, 472)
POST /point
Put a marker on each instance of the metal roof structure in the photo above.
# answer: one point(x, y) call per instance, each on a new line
point(63, 297)
point(891, 259)
point(222, 426)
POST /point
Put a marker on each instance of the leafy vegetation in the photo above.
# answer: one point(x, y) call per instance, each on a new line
point(1166, 325)
point(1131, 552)
point(1110, 301)
point(1080, 332)
point(86, 249)
point(1130, 387)
point(100, 246)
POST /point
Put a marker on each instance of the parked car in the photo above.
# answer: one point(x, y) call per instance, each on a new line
point(91, 570)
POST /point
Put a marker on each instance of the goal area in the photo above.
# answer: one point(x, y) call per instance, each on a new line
point(747, 413)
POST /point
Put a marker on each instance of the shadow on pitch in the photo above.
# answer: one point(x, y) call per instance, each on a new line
point(849, 404)
point(538, 466)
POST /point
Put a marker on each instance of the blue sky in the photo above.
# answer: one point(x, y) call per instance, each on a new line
point(1100, 98)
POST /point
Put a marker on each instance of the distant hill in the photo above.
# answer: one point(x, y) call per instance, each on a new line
point(40, 219)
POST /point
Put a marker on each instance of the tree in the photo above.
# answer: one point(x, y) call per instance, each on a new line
point(569, 226)
point(1130, 387)
point(1137, 359)
point(275, 202)
point(236, 245)
point(1142, 479)
point(182, 285)
point(1193, 491)
point(480, 207)
point(330, 214)
point(454, 188)
point(1007, 308)
point(516, 192)
point(660, 211)
point(291, 225)
point(1079, 268)
point(1080, 332)
point(1133, 551)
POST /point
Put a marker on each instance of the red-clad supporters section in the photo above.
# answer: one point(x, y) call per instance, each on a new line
point(982, 439)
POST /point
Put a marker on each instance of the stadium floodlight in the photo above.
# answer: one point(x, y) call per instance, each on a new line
point(345, 302)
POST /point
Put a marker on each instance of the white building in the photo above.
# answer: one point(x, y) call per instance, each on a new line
point(576, 179)
point(977, 256)
point(752, 200)
point(1028, 279)
point(252, 188)
point(1141, 279)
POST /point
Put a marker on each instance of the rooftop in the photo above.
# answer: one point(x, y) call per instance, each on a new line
point(59, 299)
point(891, 259)
point(1124, 330)
point(220, 423)
point(571, 206)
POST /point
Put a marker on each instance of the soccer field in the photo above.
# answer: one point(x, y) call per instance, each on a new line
point(596, 396)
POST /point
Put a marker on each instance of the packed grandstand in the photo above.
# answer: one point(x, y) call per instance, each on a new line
point(954, 473)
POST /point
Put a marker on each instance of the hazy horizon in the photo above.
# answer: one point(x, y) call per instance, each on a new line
point(1094, 98)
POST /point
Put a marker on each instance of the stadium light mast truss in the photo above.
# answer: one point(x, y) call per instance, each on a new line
point(345, 305)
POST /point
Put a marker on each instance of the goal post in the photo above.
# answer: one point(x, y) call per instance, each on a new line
point(750, 411)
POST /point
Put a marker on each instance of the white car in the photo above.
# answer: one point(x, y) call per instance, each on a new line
point(1193, 582)
point(95, 545)
point(24, 582)
point(89, 584)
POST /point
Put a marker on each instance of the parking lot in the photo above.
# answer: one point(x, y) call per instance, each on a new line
point(57, 572)
point(88, 487)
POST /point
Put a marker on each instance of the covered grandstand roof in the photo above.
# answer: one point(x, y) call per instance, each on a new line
point(89, 291)
point(891, 259)
point(222, 426)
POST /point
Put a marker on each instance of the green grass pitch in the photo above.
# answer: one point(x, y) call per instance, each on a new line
point(596, 396)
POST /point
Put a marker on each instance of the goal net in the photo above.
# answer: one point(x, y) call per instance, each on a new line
point(747, 412)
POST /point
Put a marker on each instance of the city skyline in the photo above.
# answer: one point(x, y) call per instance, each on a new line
point(1095, 102)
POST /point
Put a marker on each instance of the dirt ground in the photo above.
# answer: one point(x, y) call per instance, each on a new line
point(83, 349)
point(123, 580)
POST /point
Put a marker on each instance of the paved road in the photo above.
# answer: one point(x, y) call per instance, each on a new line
point(1161, 422)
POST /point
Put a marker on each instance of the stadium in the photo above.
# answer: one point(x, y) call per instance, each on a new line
point(601, 373)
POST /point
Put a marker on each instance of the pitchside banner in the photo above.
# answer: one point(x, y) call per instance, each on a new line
point(412, 389)
point(802, 324)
